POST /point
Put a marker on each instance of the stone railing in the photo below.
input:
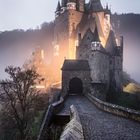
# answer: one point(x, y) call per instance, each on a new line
point(73, 130)
point(53, 109)
point(115, 109)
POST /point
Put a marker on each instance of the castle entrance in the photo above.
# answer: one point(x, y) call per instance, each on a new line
point(75, 86)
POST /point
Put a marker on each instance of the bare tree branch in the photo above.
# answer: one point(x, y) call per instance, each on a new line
point(18, 95)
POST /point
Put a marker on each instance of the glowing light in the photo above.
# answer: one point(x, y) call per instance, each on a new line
point(42, 54)
point(40, 87)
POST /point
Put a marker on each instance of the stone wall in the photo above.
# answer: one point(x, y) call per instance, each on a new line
point(119, 73)
point(115, 109)
point(99, 65)
point(99, 91)
point(73, 130)
point(53, 109)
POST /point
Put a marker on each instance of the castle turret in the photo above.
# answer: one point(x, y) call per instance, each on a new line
point(95, 6)
point(107, 21)
point(58, 9)
point(71, 4)
point(91, 49)
point(107, 10)
point(81, 5)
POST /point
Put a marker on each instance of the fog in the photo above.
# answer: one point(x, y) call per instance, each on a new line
point(17, 54)
point(132, 56)
point(14, 55)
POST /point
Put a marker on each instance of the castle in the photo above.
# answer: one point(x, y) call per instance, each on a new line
point(85, 41)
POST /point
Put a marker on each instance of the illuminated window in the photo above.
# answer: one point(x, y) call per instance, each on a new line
point(95, 46)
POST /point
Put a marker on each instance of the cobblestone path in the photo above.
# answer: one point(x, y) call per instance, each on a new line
point(99, 125)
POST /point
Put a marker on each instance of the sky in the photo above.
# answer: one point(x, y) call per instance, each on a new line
point(25, 14)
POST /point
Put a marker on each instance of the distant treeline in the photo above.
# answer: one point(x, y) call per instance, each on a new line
point(124, 23)
point(127, 25)
point(44, 33)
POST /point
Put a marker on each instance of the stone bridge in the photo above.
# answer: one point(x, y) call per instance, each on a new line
point(100, 125)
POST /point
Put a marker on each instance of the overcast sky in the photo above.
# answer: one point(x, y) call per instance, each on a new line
point(26, 14)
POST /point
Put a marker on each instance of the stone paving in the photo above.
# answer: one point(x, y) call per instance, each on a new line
point(99, 125)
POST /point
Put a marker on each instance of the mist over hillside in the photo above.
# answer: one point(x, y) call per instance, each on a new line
point(128, 25)
point(16, 46)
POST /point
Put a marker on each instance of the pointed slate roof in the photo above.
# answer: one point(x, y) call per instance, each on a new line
point(93, 37)
point(58, 6)
point(95, 6)
point(111, 43)
point(96, 35)
point(89, 35)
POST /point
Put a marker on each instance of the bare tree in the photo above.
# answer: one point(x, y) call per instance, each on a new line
point(18, 95)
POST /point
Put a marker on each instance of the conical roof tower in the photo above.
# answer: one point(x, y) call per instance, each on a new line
point(95, 6)
point(96, 35)
point(58, 6)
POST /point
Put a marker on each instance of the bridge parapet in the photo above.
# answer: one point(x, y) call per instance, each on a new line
point(115, 109)
point(73, 130)
point(53, 109)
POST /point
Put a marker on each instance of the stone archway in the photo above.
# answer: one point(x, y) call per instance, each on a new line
point(75, 86)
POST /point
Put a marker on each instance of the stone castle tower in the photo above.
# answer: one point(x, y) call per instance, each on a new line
point(73, 17)
point(83, 31)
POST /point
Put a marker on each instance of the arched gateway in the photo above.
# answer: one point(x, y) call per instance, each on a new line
point(75, 86)
point(75, 77)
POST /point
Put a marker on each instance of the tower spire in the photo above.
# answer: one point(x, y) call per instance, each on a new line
point(95, 6)
point(96, 35)
point(58, 9)
point(58, 6)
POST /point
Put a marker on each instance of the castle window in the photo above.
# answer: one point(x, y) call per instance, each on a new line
point(95, 46)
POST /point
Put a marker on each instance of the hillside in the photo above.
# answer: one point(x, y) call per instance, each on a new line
point(20, 44)
point(126, 23)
